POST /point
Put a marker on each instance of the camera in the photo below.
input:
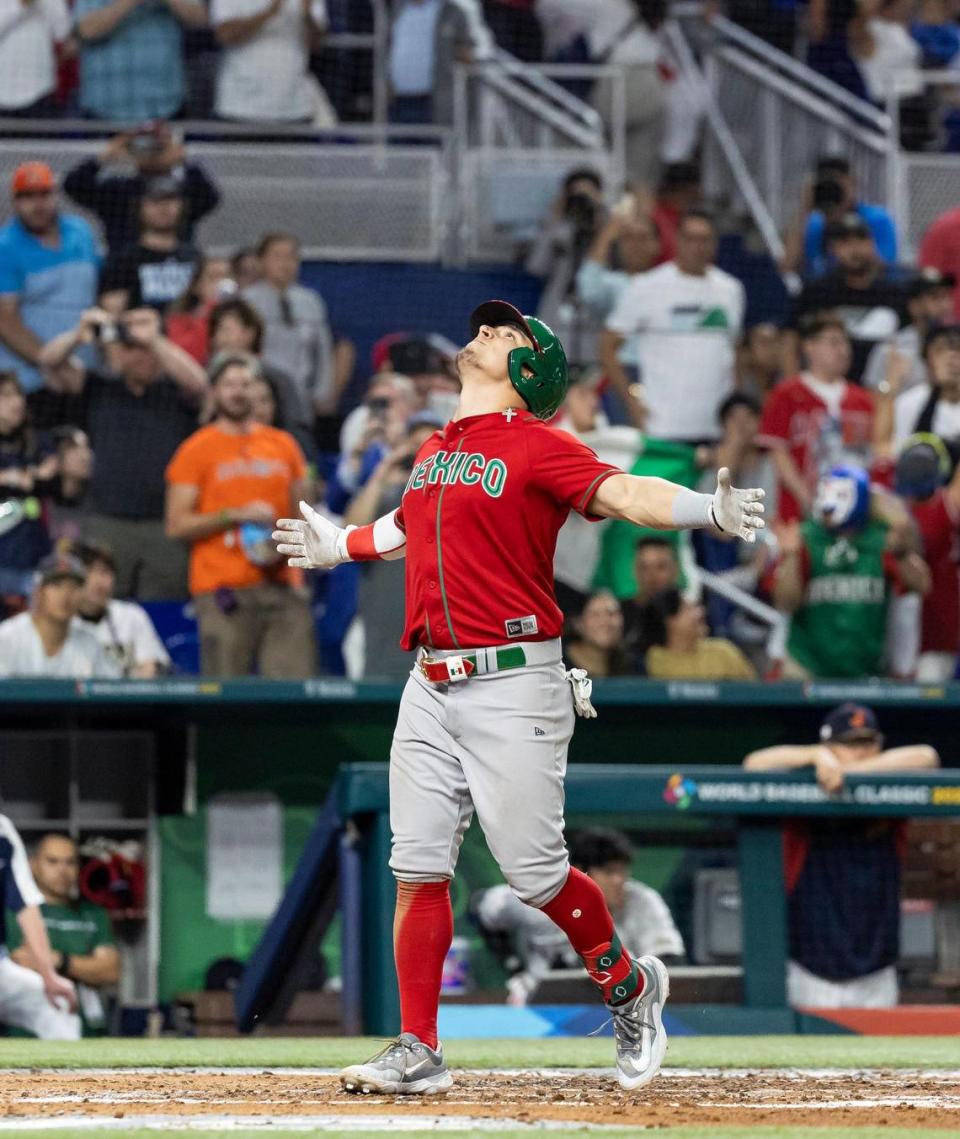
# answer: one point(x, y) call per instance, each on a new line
point(378, 407)
point(827, 194)
point(582, 210)
point(112, 332)
point(146, 142)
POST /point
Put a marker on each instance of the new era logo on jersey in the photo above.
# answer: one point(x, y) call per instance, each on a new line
point(539, 732)
point(521, 626)
point(449, 467)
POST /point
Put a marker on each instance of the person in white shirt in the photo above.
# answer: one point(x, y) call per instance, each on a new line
point(264, 66)
point(38, 1000)
point(640, 913)
point(930, 302)
point(29, 33)
point(123, 628)
point(47, 641)
point(933, 406)
point(686, 316)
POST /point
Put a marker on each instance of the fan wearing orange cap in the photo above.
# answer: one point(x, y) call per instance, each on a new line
point(48, 271)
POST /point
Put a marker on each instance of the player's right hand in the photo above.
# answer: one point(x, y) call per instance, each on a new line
point(313, 542)
point(60, 989)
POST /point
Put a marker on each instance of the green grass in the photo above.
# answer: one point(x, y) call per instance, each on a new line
point(560, 1052)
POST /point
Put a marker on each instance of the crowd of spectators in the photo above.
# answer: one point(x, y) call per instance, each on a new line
point(875, 49)
point(160, 406)
point(845, 412)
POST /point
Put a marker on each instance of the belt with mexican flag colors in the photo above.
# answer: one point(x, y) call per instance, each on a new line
point(449, 669)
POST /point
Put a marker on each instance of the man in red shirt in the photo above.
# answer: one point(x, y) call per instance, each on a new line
point(818, 419)
point(922, 470)
point(940, 249)
point(486, 715)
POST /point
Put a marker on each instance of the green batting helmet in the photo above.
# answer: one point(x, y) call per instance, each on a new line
point(538, 374)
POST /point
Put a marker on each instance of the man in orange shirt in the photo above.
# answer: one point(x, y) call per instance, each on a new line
point(225, 485)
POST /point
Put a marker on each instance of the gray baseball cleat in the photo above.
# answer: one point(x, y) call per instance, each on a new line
point(638, 1027)
point(405, 1067)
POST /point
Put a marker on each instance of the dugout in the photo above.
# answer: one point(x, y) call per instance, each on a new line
point(288, 741)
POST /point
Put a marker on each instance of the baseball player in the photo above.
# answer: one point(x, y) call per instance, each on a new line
point(36, 999)
point(487, 712)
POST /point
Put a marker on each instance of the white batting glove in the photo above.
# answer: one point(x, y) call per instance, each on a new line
point(313, 543)
point(735, 511)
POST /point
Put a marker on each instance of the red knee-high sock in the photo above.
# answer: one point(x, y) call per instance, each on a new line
point(581, 912)
point(422, 933)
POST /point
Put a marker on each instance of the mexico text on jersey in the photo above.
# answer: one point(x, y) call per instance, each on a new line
point(481, 510)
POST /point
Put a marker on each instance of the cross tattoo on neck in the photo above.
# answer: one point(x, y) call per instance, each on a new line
point(509, 413)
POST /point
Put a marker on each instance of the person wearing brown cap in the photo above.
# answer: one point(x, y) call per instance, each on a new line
point(868, 296)
point(47, 640)
point(48, 271)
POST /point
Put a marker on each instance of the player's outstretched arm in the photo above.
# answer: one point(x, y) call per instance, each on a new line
point(664, 505)
point(314, 542)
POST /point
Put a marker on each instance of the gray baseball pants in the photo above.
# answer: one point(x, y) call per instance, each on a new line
point(495, 744)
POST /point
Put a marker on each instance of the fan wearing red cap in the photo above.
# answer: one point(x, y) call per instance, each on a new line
point(48, 271)
point(34, 191)
point(843, 882)
point(488, 712)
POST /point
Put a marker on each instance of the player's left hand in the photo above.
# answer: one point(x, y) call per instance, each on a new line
point(736, 511)
point(59, 989)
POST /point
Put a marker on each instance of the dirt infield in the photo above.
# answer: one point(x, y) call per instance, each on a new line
point(678, 1097)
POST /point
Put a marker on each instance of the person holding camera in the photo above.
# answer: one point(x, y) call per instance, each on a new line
point(155, 270)
point(827, 196)
point(575, 220)
point(225, 486)
point(137, 410)
point(112, 184)
point(48, 271)
point(131, 57)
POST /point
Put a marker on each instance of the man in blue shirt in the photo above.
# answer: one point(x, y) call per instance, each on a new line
point(48, 272)
point(831, 195)
point(131, 56)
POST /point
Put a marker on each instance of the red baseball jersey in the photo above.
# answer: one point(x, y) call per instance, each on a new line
point(481, 512)
point(794, 418)
point(940, 627)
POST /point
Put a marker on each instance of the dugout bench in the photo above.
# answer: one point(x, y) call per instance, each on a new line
point(353, 835)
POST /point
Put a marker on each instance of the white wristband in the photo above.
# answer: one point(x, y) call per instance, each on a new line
point(341, 546)
point(691, 511)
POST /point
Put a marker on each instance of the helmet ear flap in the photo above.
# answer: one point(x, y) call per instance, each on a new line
point(516, 360)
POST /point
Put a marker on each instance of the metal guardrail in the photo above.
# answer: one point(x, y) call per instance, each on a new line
point(726, 144)
point(922, 184)
point(364, 201)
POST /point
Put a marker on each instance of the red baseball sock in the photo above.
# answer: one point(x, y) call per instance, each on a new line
point(422, 933)
point(581, 912)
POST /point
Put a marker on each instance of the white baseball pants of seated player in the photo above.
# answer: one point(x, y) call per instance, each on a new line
point(495, 743)
point(875, 990)
point(24, 1004)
